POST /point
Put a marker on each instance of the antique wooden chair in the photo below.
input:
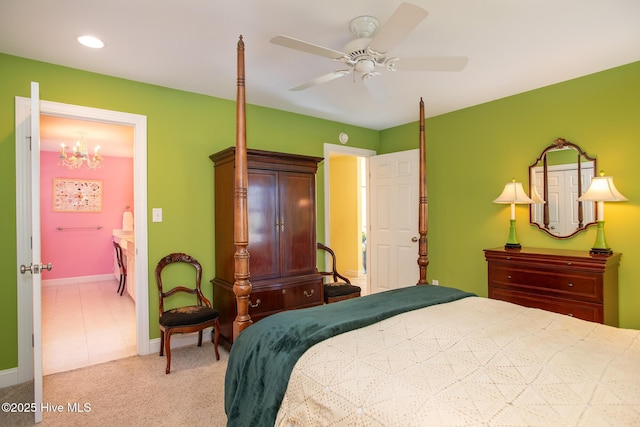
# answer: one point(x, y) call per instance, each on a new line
point(185, 319)
point(339, 288)
point(123, 268)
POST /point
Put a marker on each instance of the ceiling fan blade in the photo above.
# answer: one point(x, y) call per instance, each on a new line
point(445, 63)
point(376, 87)
point(406, 17)
point(322, 79)
point(303, 46)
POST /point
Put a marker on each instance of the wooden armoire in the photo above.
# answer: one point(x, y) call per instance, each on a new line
point(281, 202)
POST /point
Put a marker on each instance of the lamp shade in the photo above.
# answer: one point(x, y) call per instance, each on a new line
point(602, 190)
point(514, 193)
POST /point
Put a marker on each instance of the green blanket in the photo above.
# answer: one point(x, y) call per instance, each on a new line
point(264, 354)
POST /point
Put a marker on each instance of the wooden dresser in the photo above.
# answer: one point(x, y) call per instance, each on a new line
point(575, 283)
point(282, 235)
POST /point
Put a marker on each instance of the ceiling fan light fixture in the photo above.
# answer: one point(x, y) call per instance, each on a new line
point(363, 26)
point(365, 66)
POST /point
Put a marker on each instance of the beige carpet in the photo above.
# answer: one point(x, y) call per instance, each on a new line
point(133, 392)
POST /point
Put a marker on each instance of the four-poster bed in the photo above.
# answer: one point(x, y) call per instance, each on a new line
point(421, 354)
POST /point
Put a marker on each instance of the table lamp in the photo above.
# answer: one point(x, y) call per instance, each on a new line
point(513, 194)
point(601, 190)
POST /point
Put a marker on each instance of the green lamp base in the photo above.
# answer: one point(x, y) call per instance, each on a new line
point(600, 245)
point(512, 241)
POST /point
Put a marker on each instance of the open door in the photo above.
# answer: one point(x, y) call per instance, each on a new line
point(28, 236)
point(393, 240)
point(28, 112)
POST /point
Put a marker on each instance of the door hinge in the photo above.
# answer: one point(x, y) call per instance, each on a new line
point(33, 341)
point(29, 138)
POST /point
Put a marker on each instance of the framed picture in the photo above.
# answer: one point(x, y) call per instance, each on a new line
point(77, 195)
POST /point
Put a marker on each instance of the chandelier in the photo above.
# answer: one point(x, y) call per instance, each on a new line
point(80, 156)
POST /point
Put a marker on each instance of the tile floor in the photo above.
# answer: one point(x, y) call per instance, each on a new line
point(85, 324)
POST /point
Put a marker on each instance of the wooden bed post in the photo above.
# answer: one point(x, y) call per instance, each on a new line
point(423, 260)
point(241, 284)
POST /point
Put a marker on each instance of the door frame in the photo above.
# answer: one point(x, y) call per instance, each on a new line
point(330, 149)
point(25, 309)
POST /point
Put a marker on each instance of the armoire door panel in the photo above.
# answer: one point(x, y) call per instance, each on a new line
point(263, 231)
point(298, 248)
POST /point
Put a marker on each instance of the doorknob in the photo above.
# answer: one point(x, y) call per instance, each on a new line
point(35, 268)
point(414, 239)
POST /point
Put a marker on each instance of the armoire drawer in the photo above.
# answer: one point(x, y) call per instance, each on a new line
point(285, 297)
point(303, 295)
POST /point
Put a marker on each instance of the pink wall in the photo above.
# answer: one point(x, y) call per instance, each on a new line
point(88, 252)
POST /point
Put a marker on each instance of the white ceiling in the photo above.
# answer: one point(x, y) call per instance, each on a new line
point(513, 46)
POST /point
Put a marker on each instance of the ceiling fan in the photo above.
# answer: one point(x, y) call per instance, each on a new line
point(369, 49)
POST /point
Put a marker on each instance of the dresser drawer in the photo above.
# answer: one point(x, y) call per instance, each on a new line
point(570, 284)
point(579, 309)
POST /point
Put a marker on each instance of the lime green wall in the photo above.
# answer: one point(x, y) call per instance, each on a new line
point(183, 130)
point(472, 153)
point(345, 225)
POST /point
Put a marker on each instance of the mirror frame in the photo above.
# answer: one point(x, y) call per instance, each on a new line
point(561, 143)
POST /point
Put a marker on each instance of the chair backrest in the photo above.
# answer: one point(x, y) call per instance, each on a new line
point(119, 257)
point(334, 272)
point(195, 290)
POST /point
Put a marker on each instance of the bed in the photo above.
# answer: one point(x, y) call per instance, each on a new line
point(420, 355)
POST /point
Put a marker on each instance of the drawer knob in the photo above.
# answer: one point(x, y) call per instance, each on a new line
point(509, 277)
point(570, 314)
point(308, 293)
point(569, 263)
point(254, 305)
point(570, 285)
point(284, 291)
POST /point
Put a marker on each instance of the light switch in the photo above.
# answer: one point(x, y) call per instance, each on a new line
point(156, 214)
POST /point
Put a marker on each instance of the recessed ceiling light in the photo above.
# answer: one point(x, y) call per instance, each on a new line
point(90, 41)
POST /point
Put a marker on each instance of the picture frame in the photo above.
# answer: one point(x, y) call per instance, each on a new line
point(77, 195)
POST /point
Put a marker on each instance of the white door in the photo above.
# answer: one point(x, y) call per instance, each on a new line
point(394, 196)
point(29, 281)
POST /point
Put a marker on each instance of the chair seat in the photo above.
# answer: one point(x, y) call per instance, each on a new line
point(340, 289)
point(189, 315)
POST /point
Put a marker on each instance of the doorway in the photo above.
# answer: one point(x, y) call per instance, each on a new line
point(85, 321)
point(346, 209)
point(138, 122)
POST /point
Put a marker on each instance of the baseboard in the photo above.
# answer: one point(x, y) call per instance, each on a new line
point(180, 340)
point(77, 280)
point(8, 377)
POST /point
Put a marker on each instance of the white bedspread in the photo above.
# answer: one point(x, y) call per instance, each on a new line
point(474, 362)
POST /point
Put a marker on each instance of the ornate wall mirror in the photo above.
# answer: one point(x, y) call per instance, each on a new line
point(561, 174)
